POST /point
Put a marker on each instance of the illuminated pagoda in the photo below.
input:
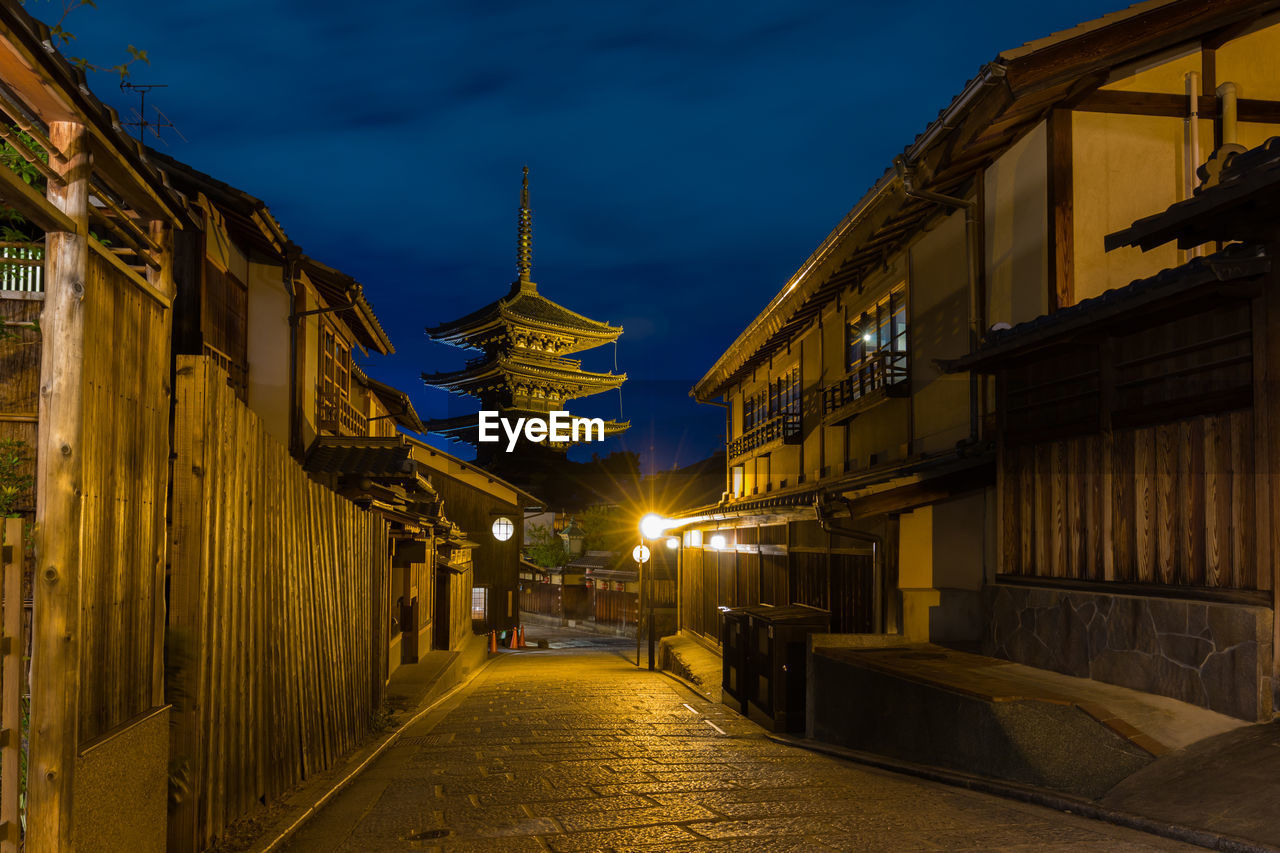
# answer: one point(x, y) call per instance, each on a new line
point(523, 371)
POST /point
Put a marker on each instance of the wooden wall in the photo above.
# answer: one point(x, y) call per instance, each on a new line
point(123, 535)
point(1170, 504)
point(273, 651)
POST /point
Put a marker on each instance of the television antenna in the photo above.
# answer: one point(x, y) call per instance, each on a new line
point(140, 114)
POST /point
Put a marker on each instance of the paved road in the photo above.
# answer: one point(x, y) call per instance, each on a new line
point(574, 749)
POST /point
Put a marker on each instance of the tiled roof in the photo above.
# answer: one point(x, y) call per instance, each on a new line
point(349, 456)
point(1249, 177)
point(525, 306)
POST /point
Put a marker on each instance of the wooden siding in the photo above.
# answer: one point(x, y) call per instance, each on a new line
point(1170, 504)
point(123, 535)
point(270, 625)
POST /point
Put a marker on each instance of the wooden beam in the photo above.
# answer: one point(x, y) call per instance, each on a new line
point(1061, 222)
point(1174, 105)
point(55, 645)
point(19, 195)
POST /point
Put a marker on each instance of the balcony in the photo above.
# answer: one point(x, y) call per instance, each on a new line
point(335, 413)
point(784, 428)
point(237, 375)
point(874, 379)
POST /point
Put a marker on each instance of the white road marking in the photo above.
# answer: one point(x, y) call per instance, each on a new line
point(714, 726)
point(687, 705)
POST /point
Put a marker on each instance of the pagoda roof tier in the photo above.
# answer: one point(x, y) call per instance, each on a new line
point(466, 427)
point(504, 369)
point(524, 308)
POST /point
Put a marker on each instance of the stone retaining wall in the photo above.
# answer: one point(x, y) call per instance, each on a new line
point(1210, 654)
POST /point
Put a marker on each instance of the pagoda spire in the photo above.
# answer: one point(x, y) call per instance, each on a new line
point(524, 240)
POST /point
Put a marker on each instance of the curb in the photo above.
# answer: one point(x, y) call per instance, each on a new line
point(281, 837)
point(1036, 796)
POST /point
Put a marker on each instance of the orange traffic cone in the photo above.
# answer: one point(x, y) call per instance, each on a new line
point(521, 644)
point(493, 641)
point(511, 639)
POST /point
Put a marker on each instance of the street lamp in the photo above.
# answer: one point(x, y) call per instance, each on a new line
point(652, 526)
point(574, 538)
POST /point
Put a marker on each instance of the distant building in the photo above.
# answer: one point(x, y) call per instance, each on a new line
point(522, 371)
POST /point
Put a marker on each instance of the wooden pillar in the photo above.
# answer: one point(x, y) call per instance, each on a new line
point(163, 280)
point(1061, 221)
point(55, 645)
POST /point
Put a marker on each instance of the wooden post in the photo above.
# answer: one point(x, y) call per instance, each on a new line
point(161, 277)
point(55, 658)
point(11, 680)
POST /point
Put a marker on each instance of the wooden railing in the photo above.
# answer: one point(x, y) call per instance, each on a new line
point(887, 370)
point(785, 426)
point(237, 374)
point(336, 414)
point(22, 267)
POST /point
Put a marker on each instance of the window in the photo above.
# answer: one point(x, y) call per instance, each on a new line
point(225, 324)
point(876, 339)
point(780, 396)
point(479, 603)
point(503, 529)
point(335, 363)
point(736, 475)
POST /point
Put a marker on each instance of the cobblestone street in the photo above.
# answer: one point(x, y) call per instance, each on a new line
point(576, 749)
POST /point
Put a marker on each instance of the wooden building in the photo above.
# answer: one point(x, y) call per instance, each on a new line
point(1136, 489)
point(522, 371)
point(491, 511)
point(86, 301)
point(861, 476)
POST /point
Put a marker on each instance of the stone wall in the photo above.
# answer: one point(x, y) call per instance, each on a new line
point(1210, 654)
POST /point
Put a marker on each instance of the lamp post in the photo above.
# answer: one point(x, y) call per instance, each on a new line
point(652, 527)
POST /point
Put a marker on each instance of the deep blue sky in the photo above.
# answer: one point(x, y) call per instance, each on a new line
point(685, 157)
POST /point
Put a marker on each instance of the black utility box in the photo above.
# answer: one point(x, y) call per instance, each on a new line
point(735, 645)
point(776, 661)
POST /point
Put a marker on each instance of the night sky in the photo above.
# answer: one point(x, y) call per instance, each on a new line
point(685, 157)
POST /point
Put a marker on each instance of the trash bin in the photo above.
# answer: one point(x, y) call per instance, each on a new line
point(779, 637)
point(735, 645)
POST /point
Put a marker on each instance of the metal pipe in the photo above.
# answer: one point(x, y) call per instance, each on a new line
point(877, 555)
point(1227, 92)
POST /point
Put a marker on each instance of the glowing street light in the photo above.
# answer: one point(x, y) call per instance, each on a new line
point(652, 526)
point(673, 542)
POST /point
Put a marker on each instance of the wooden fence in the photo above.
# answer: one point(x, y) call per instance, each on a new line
point(12, 682)
point(123, 536)
point(271, 638)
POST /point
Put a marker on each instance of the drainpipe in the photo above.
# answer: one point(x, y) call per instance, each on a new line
point(290, 274)
point(877, 556)
point(970, 207)
point(1227, 93)
point(1193, 141)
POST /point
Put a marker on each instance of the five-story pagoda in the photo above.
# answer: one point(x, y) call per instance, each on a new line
point(522, 372)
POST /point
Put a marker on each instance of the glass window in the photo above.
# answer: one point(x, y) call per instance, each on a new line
point(503, 529)
point(876, 341)
point(479, 602)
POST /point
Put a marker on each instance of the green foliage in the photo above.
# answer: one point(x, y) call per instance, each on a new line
point(15, 479)
point(545, 548)
point(606, 529)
